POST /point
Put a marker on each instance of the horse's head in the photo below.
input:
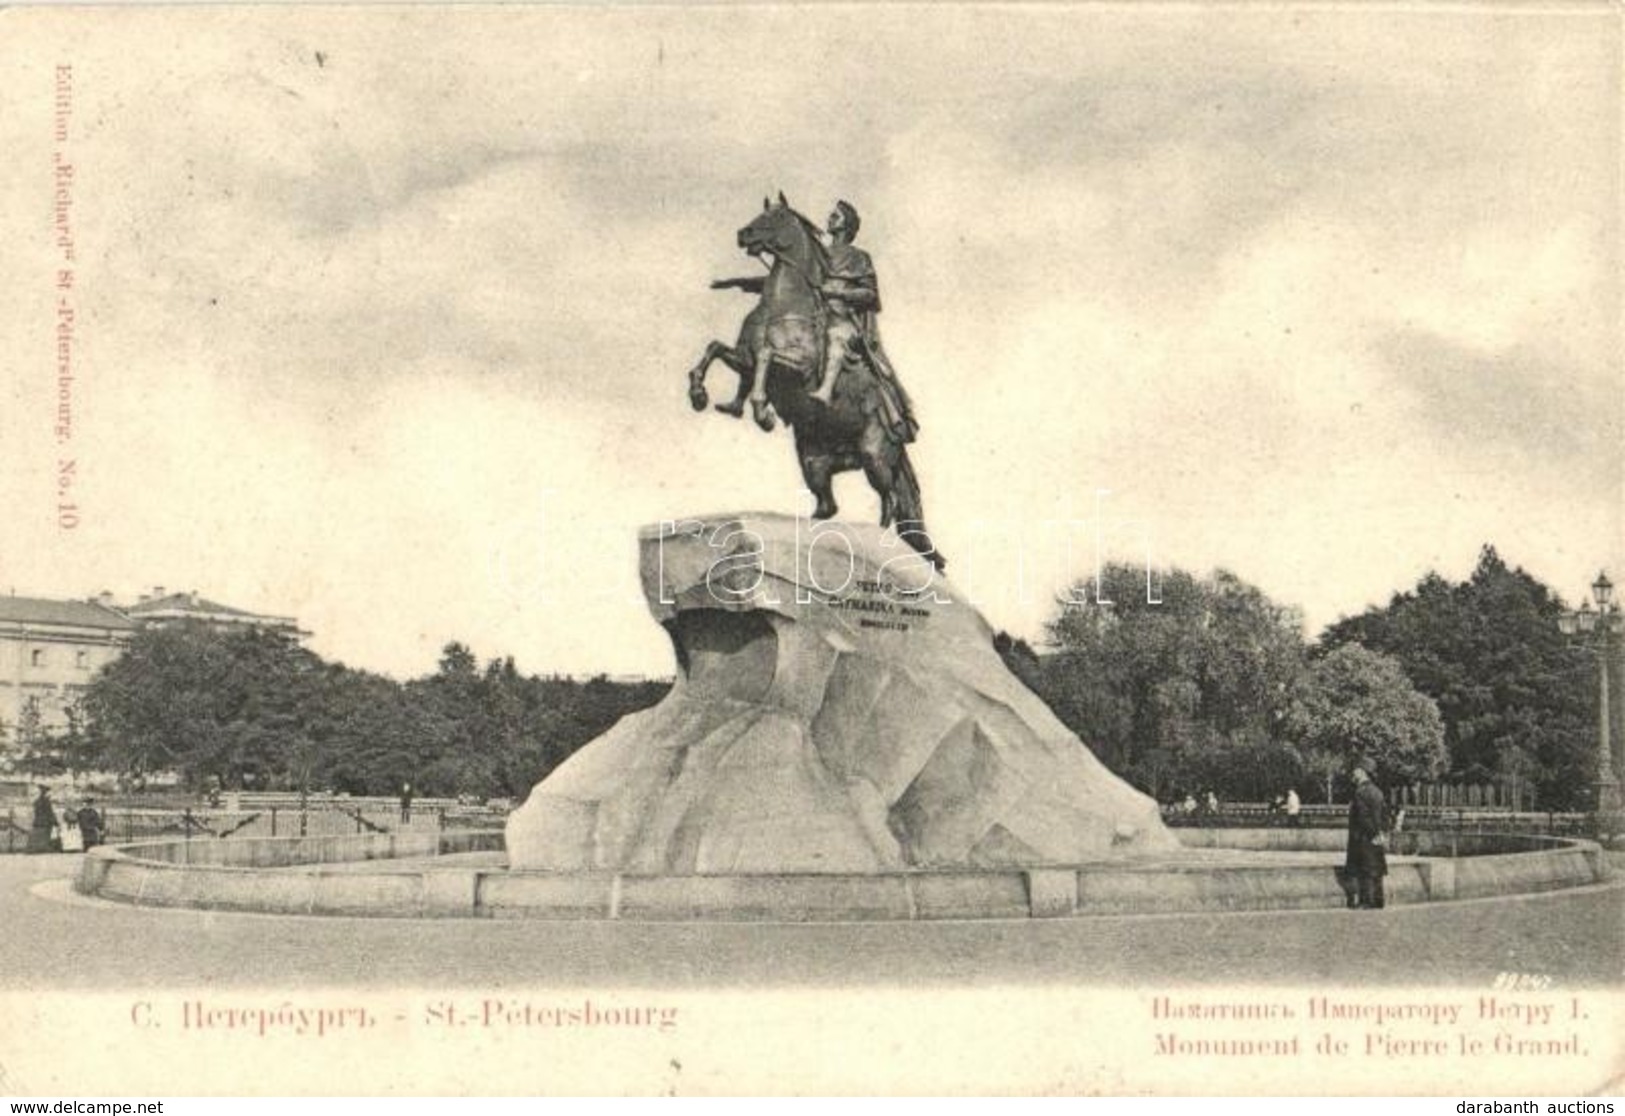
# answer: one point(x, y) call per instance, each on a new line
point(782, 232)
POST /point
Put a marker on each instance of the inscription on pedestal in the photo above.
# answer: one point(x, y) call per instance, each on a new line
point(883, 605)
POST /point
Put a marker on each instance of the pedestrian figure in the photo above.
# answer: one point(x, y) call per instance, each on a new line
point(69, 838)
point(1367, 860)
point(90, 824)
point(406, 803)
point(1294, 807)
point(43, 834)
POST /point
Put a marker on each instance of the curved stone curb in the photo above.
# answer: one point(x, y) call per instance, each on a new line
point(239, 874)
point(235, 875)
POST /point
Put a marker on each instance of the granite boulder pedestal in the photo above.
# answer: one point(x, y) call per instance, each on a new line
point(839, 708)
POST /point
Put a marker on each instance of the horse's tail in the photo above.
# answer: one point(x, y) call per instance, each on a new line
point(908, 512)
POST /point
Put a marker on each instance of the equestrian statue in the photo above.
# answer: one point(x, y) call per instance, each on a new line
point(809, 354)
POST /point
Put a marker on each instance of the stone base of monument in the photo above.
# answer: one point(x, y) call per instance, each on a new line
point(840, 709)
point(460, 875)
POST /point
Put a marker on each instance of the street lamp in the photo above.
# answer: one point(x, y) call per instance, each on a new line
point(1603, 621)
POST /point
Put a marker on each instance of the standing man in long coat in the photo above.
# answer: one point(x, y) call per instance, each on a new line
point(90, 824)
point(1367, 861)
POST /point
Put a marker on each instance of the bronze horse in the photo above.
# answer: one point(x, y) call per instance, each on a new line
point(779, 359)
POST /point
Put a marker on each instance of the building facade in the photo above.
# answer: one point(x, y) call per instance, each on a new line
point(49, 651)
point(160, 609)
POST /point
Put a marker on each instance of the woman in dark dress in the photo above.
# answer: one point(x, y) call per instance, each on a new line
point(42, 833)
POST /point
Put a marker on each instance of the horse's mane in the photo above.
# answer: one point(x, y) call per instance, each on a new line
point(814, 234)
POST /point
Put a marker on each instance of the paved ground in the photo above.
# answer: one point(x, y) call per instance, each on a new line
point(55, 939)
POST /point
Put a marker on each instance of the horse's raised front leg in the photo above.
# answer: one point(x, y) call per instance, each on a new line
point(736, 360)
point(697, 395)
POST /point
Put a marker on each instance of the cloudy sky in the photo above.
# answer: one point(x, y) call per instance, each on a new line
point(384, 314)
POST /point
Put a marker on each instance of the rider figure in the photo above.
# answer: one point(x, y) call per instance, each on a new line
point(853, 299)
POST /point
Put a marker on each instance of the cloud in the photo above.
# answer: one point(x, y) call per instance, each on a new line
point(1520, 404)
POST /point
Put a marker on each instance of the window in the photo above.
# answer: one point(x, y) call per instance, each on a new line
point(38, 657)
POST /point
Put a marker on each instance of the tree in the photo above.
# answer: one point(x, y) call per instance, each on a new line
point(378, 737)
point(210, 705)
point(39, 748)
point(458, 662)
point(1181, 689)
point(1507, 683)
point(1357, 706)
point(254, 706)
point(496, 732)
